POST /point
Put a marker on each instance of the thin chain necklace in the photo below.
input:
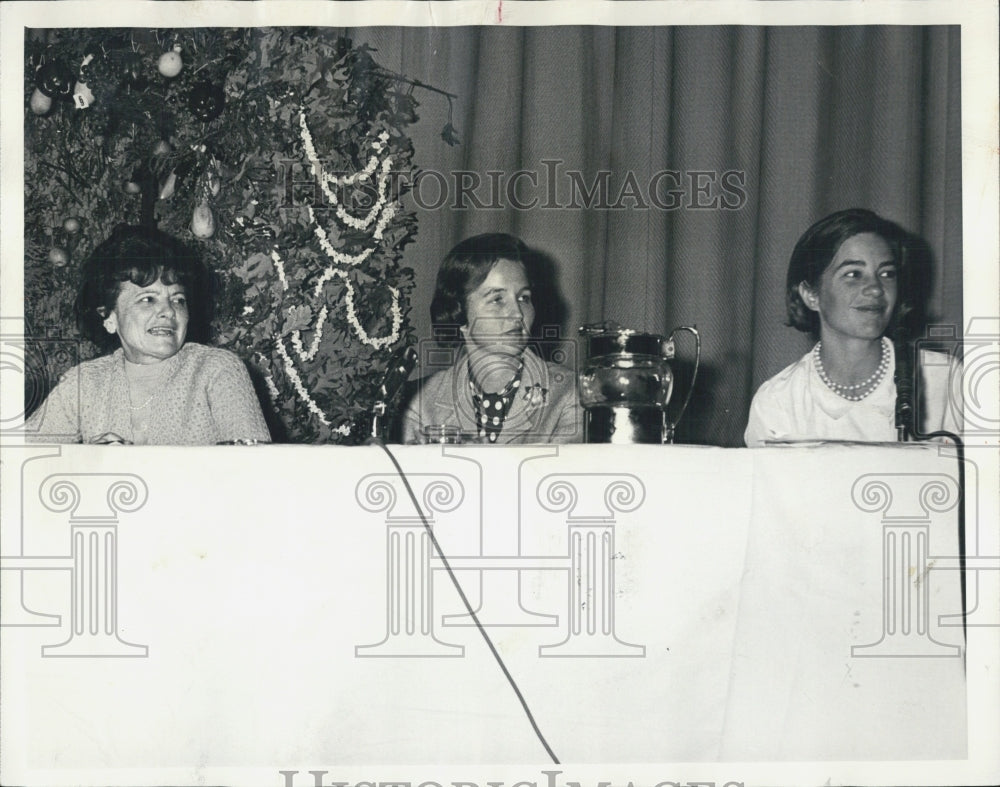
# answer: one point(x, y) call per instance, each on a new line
point(134, 408)
point(857, 391)
point(161, 383)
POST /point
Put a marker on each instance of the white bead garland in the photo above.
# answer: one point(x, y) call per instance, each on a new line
point(308, 355)
point(381, 214)
point(326, 180)
point(297, 384)
point(279, 266)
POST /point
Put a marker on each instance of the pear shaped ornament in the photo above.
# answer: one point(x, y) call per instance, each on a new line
point(168, 186)
point(203, 222)
point(40, 103)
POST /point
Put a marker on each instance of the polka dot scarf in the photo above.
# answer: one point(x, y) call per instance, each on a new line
point(492, 408)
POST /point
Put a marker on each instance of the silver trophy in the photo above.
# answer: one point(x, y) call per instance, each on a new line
point(627, 382)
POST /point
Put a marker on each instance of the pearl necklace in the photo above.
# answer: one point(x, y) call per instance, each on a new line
point(857, 391)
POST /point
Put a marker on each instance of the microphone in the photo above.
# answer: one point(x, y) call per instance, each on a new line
point(401, 364)
point(903, 377)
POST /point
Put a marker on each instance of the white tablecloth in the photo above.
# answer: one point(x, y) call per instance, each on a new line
point(653, 604)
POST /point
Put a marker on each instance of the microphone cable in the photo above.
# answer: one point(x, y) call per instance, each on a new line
point(907, 382)
point(468, 606)
point(960, 455)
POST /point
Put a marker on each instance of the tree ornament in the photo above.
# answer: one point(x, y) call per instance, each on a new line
point(72, 225)
point(58, 256)
point(206, 100)
point(83, 97)
point(203, 222)
point(167, 189)
point(170, 63)
point(40, 103)
point(133, 70)
point(162, 148)
point(343, 47)
point(54, 79)
point(350, 279)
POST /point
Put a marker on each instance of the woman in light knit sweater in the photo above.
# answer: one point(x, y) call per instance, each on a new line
point(142, 295)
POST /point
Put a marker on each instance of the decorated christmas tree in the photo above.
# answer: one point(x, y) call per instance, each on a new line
point(279, 153)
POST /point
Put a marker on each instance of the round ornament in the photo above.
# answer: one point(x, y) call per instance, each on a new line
point(40, 103)
point(72, 225)
point(54, 79)
point(131, 187)
point(206, 100)
point(170, 63)
point(58, 256)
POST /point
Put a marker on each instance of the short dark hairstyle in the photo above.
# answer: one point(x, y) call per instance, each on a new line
point(466, 267)
point(818, 246)
point(141, 255)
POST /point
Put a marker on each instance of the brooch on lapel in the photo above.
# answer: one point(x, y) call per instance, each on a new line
point(535, 395)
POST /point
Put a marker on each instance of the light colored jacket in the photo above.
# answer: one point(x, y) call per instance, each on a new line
point(545, 409)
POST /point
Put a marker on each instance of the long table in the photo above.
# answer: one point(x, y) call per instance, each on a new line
point(173, 614)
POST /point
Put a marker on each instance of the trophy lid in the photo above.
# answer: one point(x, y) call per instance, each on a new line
point(610, 338)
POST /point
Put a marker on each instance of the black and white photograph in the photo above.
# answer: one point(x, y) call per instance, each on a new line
point(508, 393)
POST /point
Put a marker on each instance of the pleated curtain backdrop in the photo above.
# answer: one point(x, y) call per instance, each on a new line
point(805, 121)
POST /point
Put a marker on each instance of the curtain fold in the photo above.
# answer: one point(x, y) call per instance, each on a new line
point(665, 173)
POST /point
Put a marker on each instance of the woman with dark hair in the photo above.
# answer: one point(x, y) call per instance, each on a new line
point(497, 389)
point(142, 295)
point(849, 283)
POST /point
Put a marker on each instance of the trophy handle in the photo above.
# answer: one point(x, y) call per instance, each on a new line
point(670, 426)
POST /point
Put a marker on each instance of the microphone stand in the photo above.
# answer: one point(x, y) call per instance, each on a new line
point(401, 364)
point(903, 377)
